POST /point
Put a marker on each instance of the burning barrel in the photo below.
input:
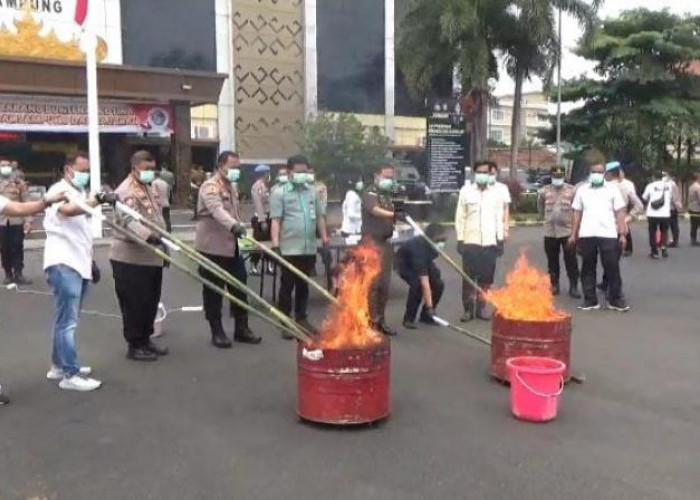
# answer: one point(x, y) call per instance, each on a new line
point(343, 378)
point(512, 338)
point(344, 386)
point(526, 322)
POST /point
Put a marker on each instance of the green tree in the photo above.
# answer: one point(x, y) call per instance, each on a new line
point(441, 36)
point(336, 143)
point(530, 41)
point(644, 107)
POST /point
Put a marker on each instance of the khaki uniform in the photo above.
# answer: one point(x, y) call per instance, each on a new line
point(555, 204)
point(378, 231)
point(138, 272)
point(12, 228)
point(260, 194)
point(321, 192)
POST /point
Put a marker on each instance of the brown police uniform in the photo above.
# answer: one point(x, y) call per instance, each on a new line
point(260, 193)
point(378, 231)
point(218, 213)
point(138, 273)
point(12, 228)
point(555, 204)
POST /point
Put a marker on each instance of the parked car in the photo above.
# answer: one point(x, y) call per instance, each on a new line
point(410, 183)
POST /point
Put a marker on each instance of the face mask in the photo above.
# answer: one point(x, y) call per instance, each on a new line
point(81, 179)
point(596, 179)
point(386, 184)
point(492, 179)
point(283, 179)
point(482, 179)
point(147, 176)
point(557, 182)
point(310, 178)
point(300, 178)
point(6, 171)
point(359, 186)
point(441, 245)
point(233, 174)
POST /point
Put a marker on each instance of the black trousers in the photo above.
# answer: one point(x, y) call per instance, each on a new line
point(138, 291)
point(552, 247)
point(694, 225)
point(673, 225)
point(657, 224)
point(292, 284)
point(630, 244)
point(166, 217)
point(12, 248)
point(415, 291)
point(480, 264)
point(213, 302)
point(379, 292)
point(259, 235)
point(609, 251)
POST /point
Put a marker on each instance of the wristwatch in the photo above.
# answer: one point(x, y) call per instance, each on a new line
point(46, 201)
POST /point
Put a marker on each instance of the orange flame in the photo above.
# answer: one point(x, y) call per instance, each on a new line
point(348, 326)
point(527, 295)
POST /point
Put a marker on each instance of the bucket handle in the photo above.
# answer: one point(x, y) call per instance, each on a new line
point(537, 393)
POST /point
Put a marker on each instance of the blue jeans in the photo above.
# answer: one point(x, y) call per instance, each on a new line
point(69, 289)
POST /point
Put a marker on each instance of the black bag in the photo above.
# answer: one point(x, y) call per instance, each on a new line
point(659, 202)
point(96, 273)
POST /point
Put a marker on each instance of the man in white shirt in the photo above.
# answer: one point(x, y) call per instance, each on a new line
point(479, 227)
point(658, 197)
point(69, 268)
point(599, 228)
point(26, 209)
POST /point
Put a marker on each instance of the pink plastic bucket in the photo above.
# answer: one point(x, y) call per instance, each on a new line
point(536, 385)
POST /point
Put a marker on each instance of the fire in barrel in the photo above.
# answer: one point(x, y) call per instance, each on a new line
point(343, 378)
point(527, 322)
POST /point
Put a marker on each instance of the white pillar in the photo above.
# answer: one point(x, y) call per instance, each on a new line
point(310, 59)
point(90, 46)
point(225, 64)
point(389, 70)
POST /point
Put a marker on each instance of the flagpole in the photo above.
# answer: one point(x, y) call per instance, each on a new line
point(90, 44)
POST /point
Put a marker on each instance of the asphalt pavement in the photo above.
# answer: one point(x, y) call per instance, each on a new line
point(210, 424)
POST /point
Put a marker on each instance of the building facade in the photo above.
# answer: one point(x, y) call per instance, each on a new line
point(535, 117)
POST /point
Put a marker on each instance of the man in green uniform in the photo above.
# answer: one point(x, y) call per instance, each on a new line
point(378, 218)
point(297, 212)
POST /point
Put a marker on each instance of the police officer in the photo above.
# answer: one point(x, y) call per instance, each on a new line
point(218, 230)
point(260, 194)
point(378, 217)
point(13, 229)
point(138, 273)
point(297, 213)
point(554, 203)
point(11, 208)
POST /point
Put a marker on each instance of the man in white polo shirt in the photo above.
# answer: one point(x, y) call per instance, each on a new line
point(69, 268)
point(18, 209)
point(599, 228)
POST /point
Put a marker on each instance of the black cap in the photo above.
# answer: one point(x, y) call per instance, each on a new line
point(559, 170)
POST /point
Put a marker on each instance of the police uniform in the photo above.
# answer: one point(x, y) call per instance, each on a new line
point(297, 207)
point(555, 204)
point(378, 231)
point(138, 272)
point(12, 229)
point(218, 215)
point(260, 194)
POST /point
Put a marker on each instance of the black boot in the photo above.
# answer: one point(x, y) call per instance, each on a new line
point(555, 289)
point(243, 334)
point(9, 278)
point(218, 335)
point(573, 290)
point(20, 279)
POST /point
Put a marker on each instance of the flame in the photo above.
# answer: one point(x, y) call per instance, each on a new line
point(527, 295)
point(348, 325)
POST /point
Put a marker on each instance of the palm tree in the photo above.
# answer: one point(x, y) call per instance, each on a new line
point(529, 40)
point(441, 36)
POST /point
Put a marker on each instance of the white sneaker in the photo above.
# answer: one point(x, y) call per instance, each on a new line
point(56, 373)
point(77, 383)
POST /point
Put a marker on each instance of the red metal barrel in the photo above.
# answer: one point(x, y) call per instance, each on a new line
point(513, 338)
point(344, 386)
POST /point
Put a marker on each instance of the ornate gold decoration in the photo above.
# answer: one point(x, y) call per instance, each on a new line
point(28, 41)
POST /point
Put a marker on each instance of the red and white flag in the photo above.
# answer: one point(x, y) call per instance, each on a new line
point(81, 11)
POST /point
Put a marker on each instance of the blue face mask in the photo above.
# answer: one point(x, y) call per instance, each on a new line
point(147, 176)
point(482, 179)
point(359, 186)
point(557, 182)
point(300, 178)
point(233, 174)
point(81, 179)
point(492, 179)
point(596, 179)
point(310, 178)
point(6, 171)
point(283, 179)
point(386, 184)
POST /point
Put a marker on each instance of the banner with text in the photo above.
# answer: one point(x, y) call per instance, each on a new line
point(447, 153)
point(49, 114)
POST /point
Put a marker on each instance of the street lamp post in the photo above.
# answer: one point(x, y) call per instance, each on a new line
point(559, 92)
